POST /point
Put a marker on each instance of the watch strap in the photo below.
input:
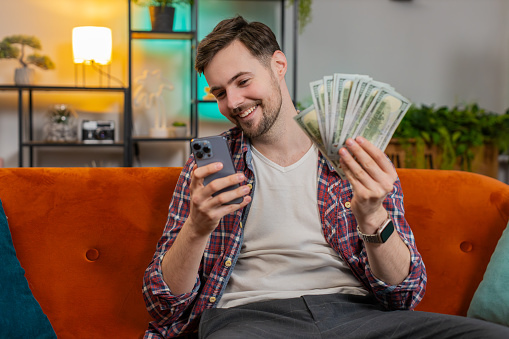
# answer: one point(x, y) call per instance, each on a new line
point(382, 234)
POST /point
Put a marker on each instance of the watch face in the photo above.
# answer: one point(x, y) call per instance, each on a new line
point(387, 231)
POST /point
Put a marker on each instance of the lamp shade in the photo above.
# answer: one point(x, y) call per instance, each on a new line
point(90, 43)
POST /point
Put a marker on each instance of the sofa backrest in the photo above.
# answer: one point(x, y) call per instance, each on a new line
point(86, 235)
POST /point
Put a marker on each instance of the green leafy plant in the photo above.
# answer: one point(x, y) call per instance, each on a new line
point(456, 131)
point(61, 114)
point(179, 124)
point(304, 12)
point(9, 49)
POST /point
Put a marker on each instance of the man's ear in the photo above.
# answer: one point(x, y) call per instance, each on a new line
point(279, 64)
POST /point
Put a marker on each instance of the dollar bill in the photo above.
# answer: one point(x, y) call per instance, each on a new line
point(387, 108)
point(361, 108)
point(343, 84)
point(358, 90)
point(317, 93)
point(391, 127)
point(328, 82)
point(308, 121)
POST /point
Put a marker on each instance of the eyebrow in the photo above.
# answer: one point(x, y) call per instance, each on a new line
point(215, 88)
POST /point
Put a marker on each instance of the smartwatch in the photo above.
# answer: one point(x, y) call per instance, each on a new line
point(382, 234)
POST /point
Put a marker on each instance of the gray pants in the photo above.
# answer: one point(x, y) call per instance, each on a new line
point(337, 316)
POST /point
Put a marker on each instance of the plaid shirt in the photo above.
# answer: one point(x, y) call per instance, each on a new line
point(178, 314)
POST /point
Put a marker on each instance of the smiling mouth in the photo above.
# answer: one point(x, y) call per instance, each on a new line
point(247, 112)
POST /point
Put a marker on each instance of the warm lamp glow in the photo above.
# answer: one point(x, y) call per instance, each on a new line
point(91, 43)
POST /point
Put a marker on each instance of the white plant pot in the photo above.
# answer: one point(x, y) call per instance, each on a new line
point(24, 76)
point(180, 131)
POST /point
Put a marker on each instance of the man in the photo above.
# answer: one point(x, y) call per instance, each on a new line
point(306, 254)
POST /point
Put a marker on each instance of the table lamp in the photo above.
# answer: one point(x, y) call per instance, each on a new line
point(91, 46)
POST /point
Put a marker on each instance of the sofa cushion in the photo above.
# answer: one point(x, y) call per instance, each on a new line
point(21, 315)
point(491, 299)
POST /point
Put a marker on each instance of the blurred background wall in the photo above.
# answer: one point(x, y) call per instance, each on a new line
point(442, 52)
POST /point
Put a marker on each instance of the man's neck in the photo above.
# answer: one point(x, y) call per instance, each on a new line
point(285, 143)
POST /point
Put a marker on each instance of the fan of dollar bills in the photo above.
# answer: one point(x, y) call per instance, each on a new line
point(351, 105)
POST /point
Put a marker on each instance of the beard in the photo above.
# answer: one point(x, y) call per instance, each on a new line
point(270, 112)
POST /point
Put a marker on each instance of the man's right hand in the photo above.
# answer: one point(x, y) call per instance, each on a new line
point(182, 261)
point(207, 210)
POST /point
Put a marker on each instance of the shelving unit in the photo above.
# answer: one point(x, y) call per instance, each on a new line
point(158, 35)
point(27, 141)
point(128, 142)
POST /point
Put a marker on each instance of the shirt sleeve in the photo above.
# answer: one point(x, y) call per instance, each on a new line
point(169, 311)
point(410, 292)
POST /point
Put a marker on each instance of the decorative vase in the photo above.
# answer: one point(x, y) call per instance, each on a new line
point(162, 17)
point(23, 76)
point(62, 124)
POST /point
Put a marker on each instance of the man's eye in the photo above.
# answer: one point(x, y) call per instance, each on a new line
point(243, 82)
point(219, 94)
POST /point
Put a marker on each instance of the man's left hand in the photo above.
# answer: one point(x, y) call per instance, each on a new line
point(372, 177)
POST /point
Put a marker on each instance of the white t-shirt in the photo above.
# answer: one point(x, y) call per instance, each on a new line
point(284, 253)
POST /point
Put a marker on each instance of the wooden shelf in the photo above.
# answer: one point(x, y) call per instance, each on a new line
point(71, 144)
point(147, 138)
point(61, 88)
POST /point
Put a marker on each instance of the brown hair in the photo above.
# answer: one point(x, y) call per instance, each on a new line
point(257, 37)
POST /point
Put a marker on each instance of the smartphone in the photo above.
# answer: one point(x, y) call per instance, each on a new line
point(215, 149)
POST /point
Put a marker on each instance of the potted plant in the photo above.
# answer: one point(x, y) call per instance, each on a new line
point(304, 12)
point(10, 50)
point(162, 12)
point(463, 137)
point(180, 129)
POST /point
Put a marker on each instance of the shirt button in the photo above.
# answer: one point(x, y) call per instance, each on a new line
point(241, 224)
point(212, 299)
point(347, 204)
point(228, 263)
point(250, 186)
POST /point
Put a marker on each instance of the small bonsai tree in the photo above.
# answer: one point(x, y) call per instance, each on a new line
point(9, 50)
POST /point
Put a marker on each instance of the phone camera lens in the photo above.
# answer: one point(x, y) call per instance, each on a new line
point(206, 149)
point(196, 146)
point(199, 155)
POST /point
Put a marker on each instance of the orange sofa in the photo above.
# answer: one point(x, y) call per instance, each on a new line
point(85, 236)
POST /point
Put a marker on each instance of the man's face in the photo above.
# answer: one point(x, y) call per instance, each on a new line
point(247, 92)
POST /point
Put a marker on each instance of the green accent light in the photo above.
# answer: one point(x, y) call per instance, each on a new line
point(208, 111)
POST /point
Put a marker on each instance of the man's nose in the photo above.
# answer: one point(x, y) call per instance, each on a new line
point(234, 99)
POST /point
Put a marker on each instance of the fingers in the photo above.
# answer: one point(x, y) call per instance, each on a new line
point(207, 195)
point(219, 184)
point(201, 173)
point(365, 164)
point(369, 156)
point(207, 208)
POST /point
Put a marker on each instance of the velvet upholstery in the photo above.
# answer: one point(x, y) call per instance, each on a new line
point(85, 236)
point(457, 219)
